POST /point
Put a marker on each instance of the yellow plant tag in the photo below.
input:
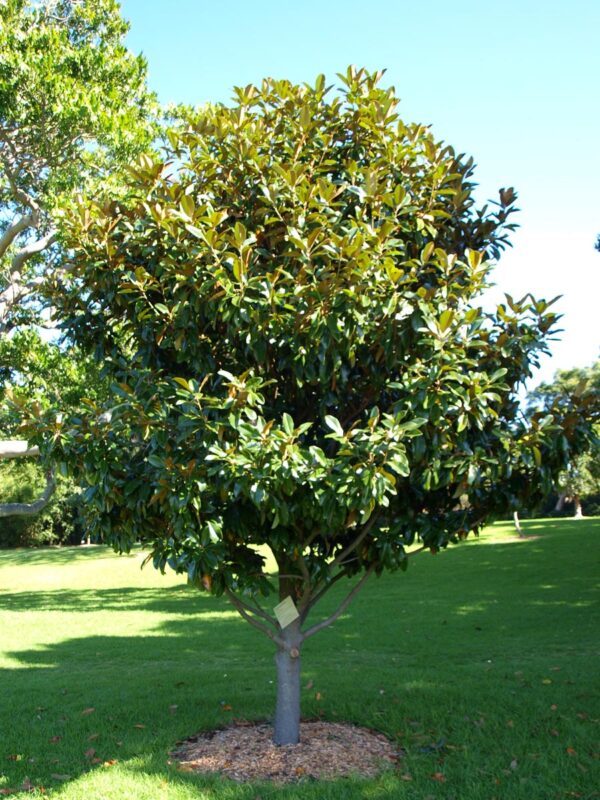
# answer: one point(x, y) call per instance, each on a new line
point(286, 612)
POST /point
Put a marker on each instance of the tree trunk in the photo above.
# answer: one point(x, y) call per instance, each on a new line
point(517, 523)
point(578, 508)
point(287, 710)
point(560, 502)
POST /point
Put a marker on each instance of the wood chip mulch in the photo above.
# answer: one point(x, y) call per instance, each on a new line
point(245, 752)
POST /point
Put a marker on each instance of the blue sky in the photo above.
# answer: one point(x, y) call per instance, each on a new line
point(512, 83)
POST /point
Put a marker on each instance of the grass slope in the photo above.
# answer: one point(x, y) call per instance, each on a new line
point(482, 663)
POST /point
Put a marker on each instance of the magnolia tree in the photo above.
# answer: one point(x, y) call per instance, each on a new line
point(288, 303)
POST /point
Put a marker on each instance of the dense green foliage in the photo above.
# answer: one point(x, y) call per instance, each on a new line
point(289, 305)
point(489, 678)
point(74, 109)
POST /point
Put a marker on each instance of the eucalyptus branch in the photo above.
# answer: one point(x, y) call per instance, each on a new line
point(17, 227)
point(14, 292)
point(19, 194)
point(17, 289)
point(16, 448)
point(33, 249)
point(343, 605)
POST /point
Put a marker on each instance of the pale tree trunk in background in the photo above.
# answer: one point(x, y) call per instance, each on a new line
point(517, 523)
point(578, 509)
point(560, 503)
point(16, 448)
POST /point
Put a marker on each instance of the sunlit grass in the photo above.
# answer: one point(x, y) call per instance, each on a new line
point(480, 662)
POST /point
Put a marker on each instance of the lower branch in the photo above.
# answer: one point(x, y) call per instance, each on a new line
point(321, 592)
point(354, 544)
point(246, 612)
point(343, 605)
point(16, 448)
point(28, 509)
point(257, 610)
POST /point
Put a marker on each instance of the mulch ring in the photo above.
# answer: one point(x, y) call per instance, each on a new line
point(245, 752)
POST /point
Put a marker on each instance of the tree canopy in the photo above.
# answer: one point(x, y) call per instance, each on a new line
point(287, 301)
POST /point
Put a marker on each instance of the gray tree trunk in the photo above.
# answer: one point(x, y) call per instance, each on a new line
point(287, 710)
point(561, 501)
point(578, 508)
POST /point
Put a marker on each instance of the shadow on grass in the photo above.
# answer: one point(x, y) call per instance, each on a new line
point(31, 556)
point(170, 600)
point(144, 694)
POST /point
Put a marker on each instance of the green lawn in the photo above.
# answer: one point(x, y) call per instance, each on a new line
point(481, 662)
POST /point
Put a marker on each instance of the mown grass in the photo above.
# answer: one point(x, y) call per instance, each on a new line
point(481, 663)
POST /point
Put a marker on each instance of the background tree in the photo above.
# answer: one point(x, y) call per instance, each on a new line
point(576, 391)
point(35, 371)
point(73, 106)
point(288, 304)
point(74, 109)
